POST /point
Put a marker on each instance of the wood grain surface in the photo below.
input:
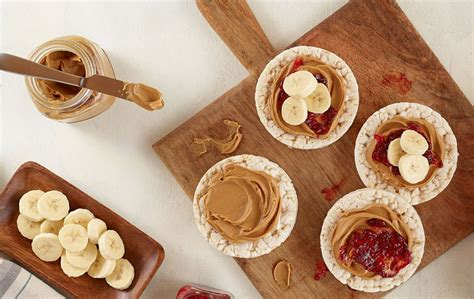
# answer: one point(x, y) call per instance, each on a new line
point(391, 63)
point(235, 23)
point(145, 254)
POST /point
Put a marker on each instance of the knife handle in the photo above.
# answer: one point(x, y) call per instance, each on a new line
point(14, 64)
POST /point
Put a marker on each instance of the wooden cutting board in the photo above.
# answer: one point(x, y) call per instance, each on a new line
point(392, 63)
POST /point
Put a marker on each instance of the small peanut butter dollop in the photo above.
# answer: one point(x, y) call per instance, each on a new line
point(242, 204)
point(282, 273)
point(143, 95)
point(225, 146)
point(66, 62)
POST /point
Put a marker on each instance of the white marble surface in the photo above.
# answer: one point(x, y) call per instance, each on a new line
point(169, 45)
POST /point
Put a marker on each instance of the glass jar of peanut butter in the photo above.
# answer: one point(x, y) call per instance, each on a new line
point(81, 57)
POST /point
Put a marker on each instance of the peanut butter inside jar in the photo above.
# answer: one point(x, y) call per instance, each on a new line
point(66, 62)
point(75, 55)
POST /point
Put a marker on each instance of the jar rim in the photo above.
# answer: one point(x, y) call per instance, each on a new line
point(40, 52)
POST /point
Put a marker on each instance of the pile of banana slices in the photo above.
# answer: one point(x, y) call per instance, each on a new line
point(406, 153)
point(73, 236)
point(305, 94)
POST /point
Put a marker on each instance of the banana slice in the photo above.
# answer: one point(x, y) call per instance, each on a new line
point(394, 152)
point(101, 268)
point(46, 246)
point(52, 227)
point(319, 100)
point(413, 142)
point(69, 269)
point(73, 237)
point(294, 111)
point(413, 168)
point(84, 258)
point(27, 228)
point(95, 228)
point(111, 245)
point(300, 84)
point(79, 216)
point(28, 205)
point(122, 276)
point(53, 205)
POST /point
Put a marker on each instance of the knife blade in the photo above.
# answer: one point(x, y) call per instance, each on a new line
point(105, 85)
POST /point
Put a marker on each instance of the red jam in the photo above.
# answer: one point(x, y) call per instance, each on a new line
point(380, 249)
point(381, 148)
point(374, 222)
point(296, 65)
point(321, 123)
point(321, 270)
point(201, 292)
point(282, 96)
point(433, 159)
point(321, 79)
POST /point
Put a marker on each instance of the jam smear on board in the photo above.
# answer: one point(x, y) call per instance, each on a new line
point(379, 249)
point(321, 270)
point(330, 192)
point(398, 81)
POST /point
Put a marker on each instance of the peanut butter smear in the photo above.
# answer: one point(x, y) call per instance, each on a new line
point(282, 273)
point(335, 86)
point(397, 123)
point(66, 62)
point(242, 204)
point(357, 220)
point(143, 95)
point(227, 145)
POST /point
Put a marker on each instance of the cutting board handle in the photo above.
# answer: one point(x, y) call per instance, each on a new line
point(236, 25)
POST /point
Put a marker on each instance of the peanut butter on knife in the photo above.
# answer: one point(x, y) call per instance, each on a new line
point(143, 95)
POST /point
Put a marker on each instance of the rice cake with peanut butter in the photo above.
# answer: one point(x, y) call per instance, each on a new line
point(315, 129)
point(372, 240)
point(428, 130)
point(245, 206)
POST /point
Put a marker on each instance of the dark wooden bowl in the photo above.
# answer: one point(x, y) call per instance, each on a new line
point(145, 254)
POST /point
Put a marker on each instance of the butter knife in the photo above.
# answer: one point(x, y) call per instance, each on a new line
point(145, 96)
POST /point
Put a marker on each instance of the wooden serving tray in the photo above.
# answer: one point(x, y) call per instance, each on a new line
point(377, 41)
point(145, 254)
